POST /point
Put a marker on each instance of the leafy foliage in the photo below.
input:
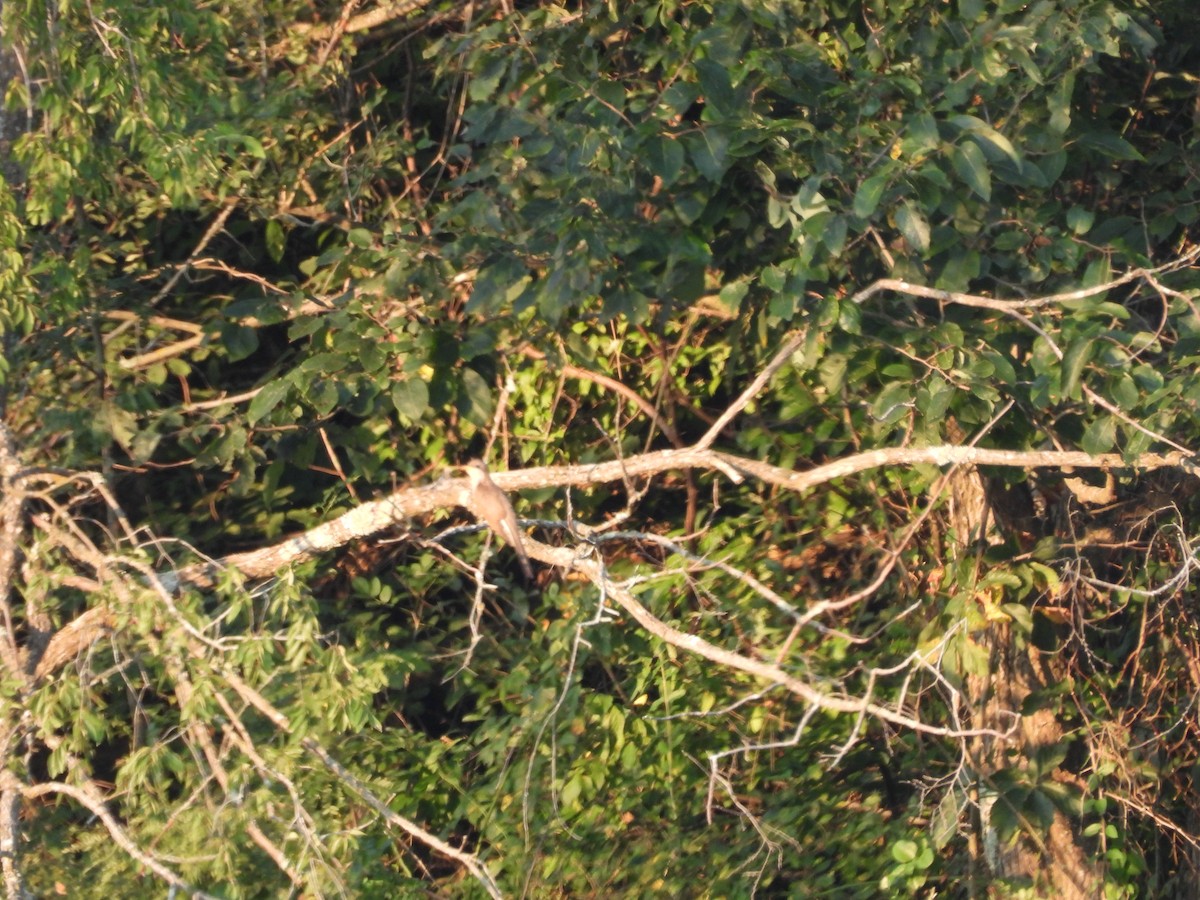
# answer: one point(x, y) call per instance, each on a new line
point(260, 270)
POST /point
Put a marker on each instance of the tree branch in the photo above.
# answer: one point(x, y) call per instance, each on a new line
point(1009, 306)
point(94, 803)
point(281, 721)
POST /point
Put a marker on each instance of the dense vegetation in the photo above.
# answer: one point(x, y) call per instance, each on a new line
point(847, 352)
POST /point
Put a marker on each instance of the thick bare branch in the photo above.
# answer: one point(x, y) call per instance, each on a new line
point(372, 18)
point(371, 518)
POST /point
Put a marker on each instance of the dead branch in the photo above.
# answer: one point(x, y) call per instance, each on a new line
point(378, 515)
point(614, 385)
point(569, 558)
point(1009, 306)
point(362, 22)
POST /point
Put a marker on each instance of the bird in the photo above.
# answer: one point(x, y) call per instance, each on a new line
point(491, 506)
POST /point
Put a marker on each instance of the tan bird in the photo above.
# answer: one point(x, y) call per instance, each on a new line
point(491, 506)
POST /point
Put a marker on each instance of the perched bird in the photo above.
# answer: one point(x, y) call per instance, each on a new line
point(491, 506)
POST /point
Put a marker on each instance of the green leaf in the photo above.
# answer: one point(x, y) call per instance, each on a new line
point(1099, 271)
point(239, 341)
point(972, 168)
point(782, 307)
point(913, 226)
point(569, 796)
point(119, 424)
point(267, 398)
point(678, 97)
point(688, 205)
point(1100, 436)
point(253, 146)
point(410, 397)
point(323, 394)
point(1110, 145)
point(717, 88)
point(1124, 391)
point(321, 364)
point(833, 236)
point(497, 285)
point(276, 239)
point(921, 135)
point(664, 156)
point(986, 134)
point(475, 399)
point(710, 152)
point(1074, 359)
point(360, 237)
point(893, 403)
point(933, 398)
point(225, 449)
point(944, 823)
point(1002, 367)
point(869, 193)
point(1080, 220)
point(960, 270)
point(809, 201)
point(1021, 616)
point(732, 294)
point(777, 212)
point(1058, 102)
point(904, 851)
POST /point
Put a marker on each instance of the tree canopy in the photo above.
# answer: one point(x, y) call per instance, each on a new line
point(840, 359)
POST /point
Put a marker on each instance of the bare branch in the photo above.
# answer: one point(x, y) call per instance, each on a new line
point(829, 701)
point(1010, 306)
point(373, 18)
point(371, 518)
point(281, 721)
point(617, 387)
point(783, 355)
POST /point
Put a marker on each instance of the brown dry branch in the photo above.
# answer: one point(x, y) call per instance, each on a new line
point(827, 700)
point(12, 526)
point(12, 734)
point(605, 381)
point(371, 518)
point(1016, 309)
point(237, 735)
point(205, 239)
point(158, 355)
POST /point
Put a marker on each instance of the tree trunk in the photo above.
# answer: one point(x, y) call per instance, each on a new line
point(1056, 860)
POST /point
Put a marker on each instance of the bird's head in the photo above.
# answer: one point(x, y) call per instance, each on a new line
point(475, 470)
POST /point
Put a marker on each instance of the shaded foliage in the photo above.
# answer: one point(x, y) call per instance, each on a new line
point(255, 274)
